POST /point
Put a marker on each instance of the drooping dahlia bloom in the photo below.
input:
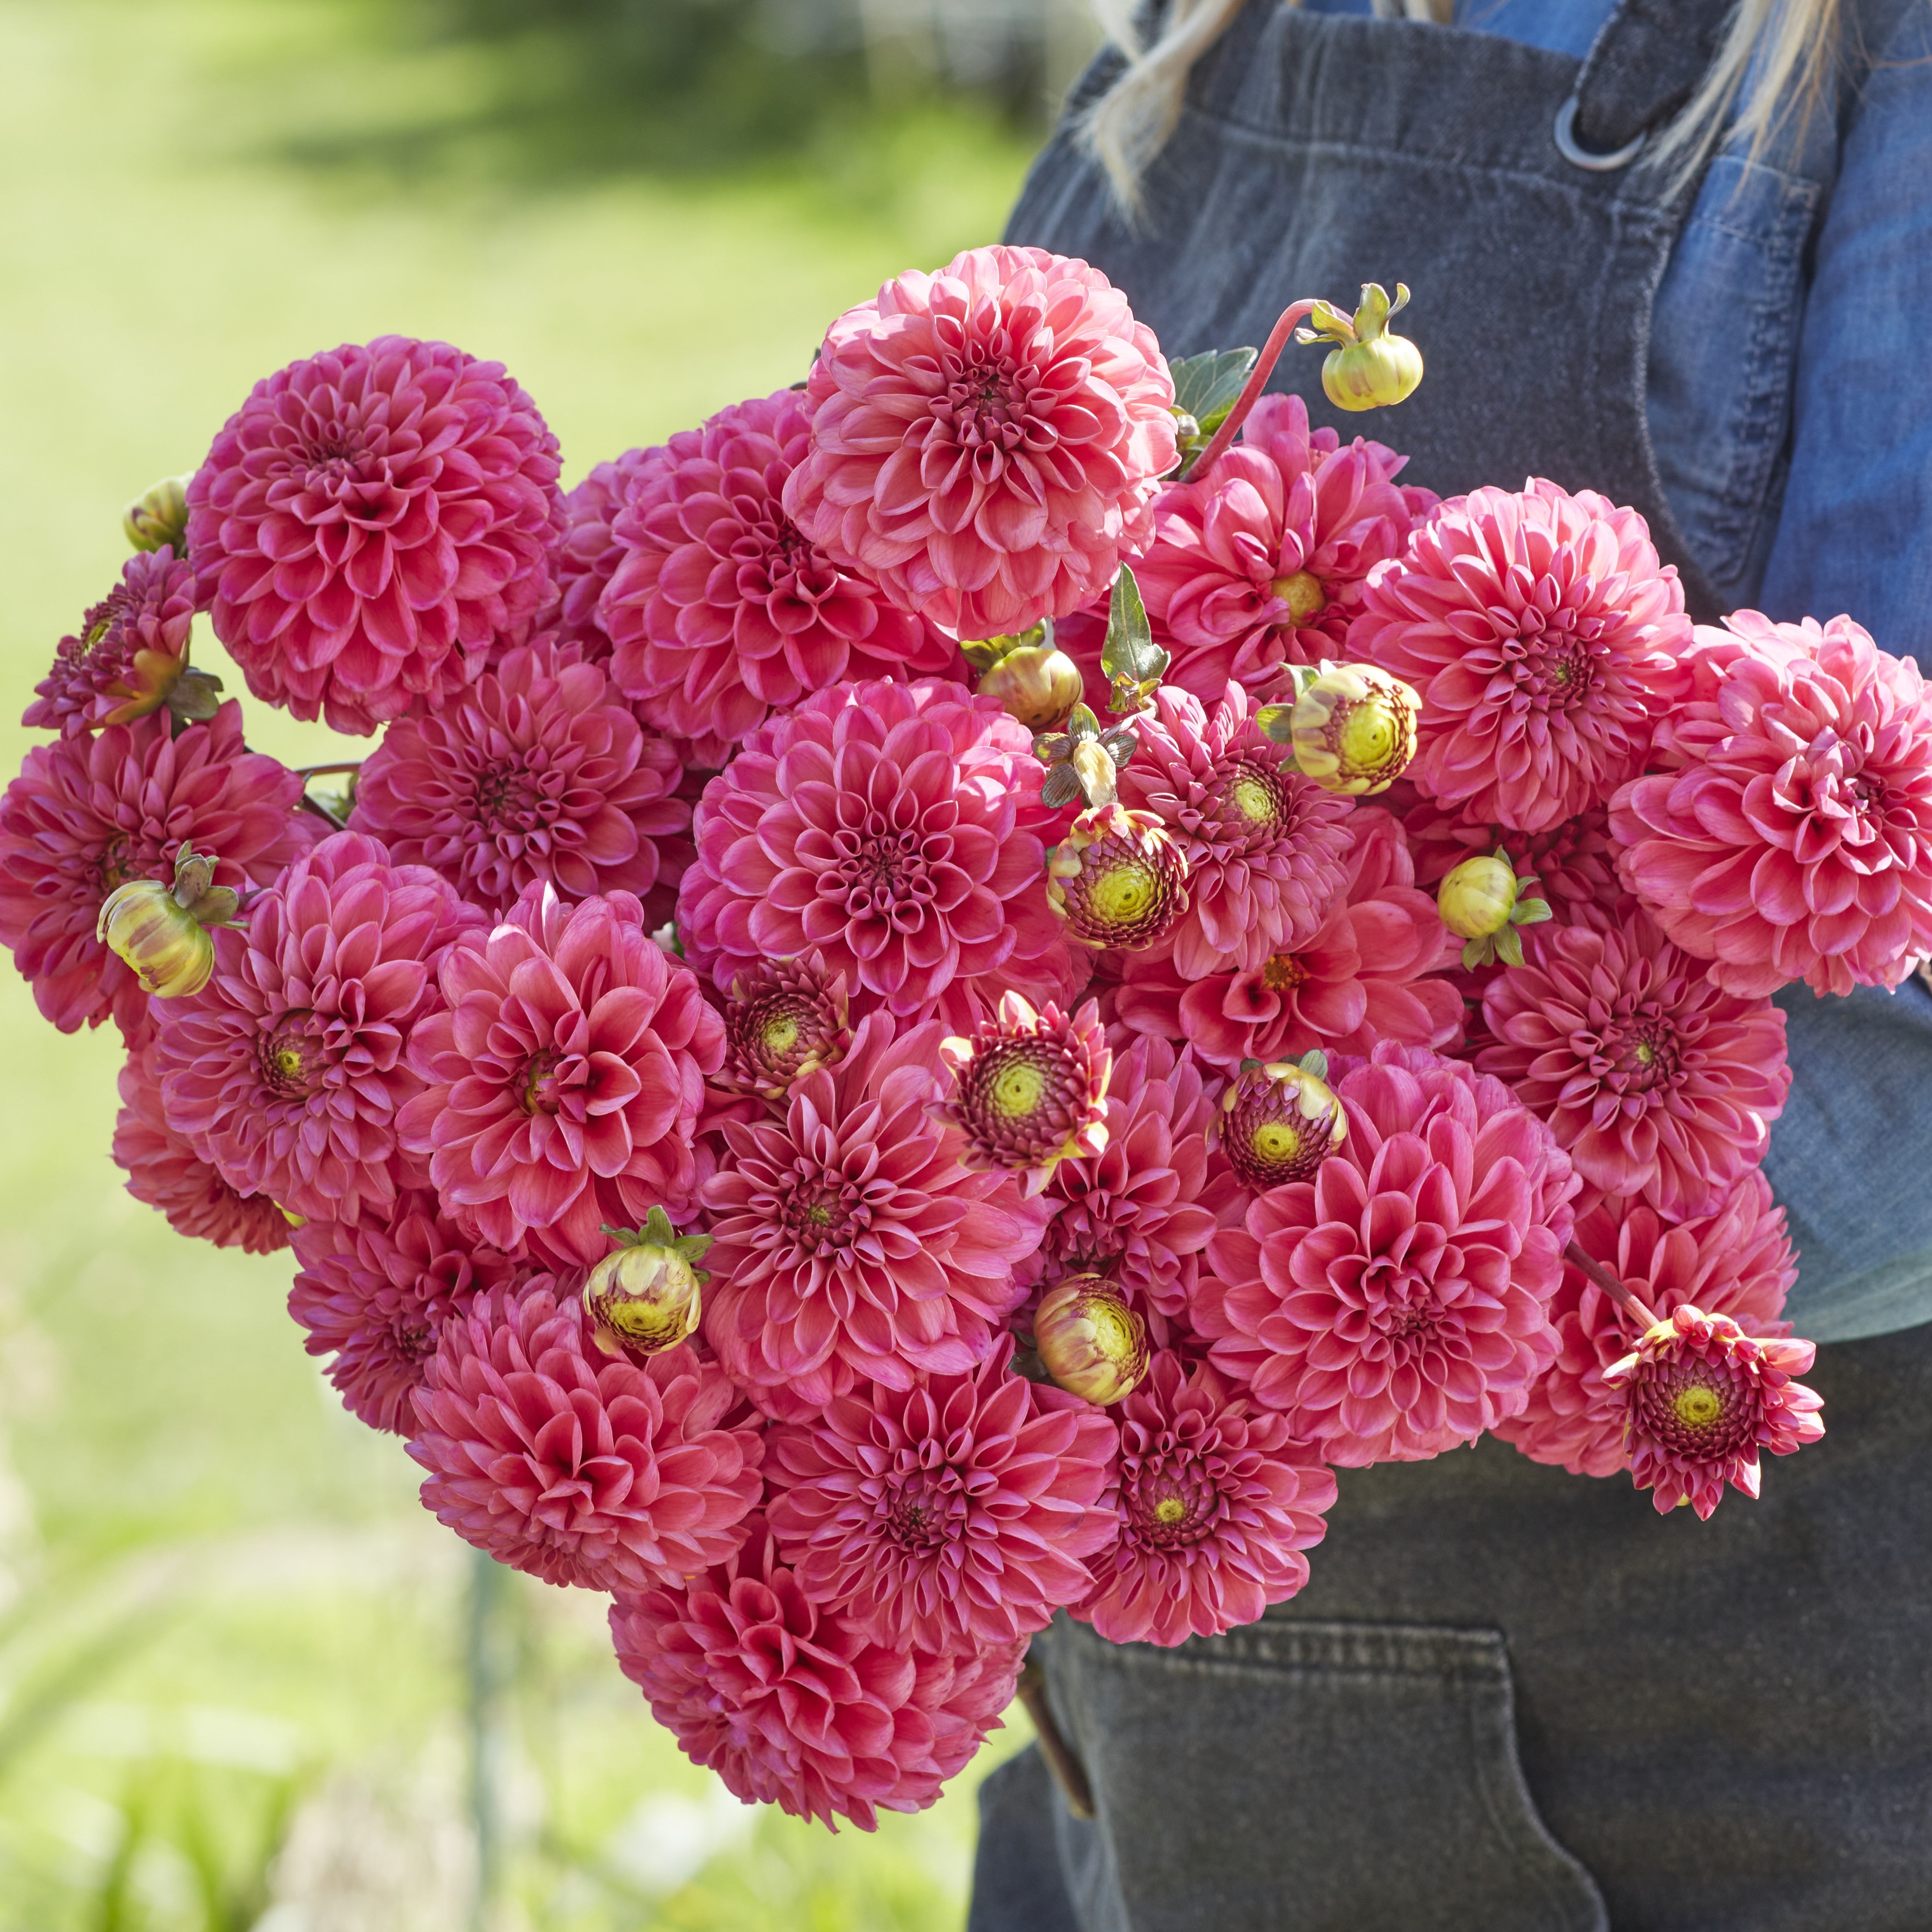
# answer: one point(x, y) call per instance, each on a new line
point(1267, 849)
point(563, 1075)
point(986, 442)
point(720, 611)
point(792, 1705)
point(536, 772)
point(1030, 1089)
point(164, 1170)
point(1397, 1305)
point(955, 1514)
point(1656, 1082)
point(287, 1070)
point(1545, 640)
point(572, 1466)
point(88, 813)
point(590, 554)
point(370, 522)
point(374, 1294)
point(1260, 564)
point(850, 1240)
point(1365, 975)
point(783, 1020)
point(129, 652)
point(1792, 837)
point(1217, 1501)
point(1704, 1399)
point(896, 828)
point(1735, 1262)
point(1574, 863)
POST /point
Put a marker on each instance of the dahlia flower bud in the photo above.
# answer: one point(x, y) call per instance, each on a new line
point(1089, 1340)
point(162, 931)
point(1352, 727)
point(785, 1021)
point(158, 516)
point(645, 1297)
point(1279, 1122)
point(1036, 683)
point(1369, 368)
point(1117, 879)
point(1481, 902)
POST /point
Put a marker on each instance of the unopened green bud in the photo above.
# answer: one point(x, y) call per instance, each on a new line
point(171, 952)
point(1477, 898)
point(1353, 728)
point(159, 516)
point(1089, 1340)
point(1369, 368)
point(1036, 684)
point(646, 1296)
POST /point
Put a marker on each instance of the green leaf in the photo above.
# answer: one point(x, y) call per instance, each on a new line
point(1208, 386)
point(1316, 1063)
point(1275, 722)
point(1508, 943)
point(1530, 912)
point(1476, 953)
point(1130, 652)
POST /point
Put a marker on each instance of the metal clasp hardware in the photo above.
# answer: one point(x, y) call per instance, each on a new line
point(1565, 135)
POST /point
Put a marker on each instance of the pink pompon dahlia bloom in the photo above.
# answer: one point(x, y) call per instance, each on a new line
point(793, 1705)
point(590, 554)
point(563, 1076)
point(896, 828)
point(1365, 974)
point(1547, 640)
point(1790, 836)
point(287, 1070)
point(986, 441)
point(89, 814)
point(1656, 1082)
point(1397, 1305)
point(129, 653)
point(1574, 863)
point(1267, 850)
point(1260, 565)
point(370, 522)
point(374, 1294)
point(720, 610)
point(537, 771)
point(849, 1240)
point(1217, 1502)
point(1736, 1261)
point(164, 1170)
point(571, 1465)
point(955, 1514)
point(1703, 1399)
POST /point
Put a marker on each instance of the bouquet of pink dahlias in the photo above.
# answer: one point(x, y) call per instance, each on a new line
point(856, 1122)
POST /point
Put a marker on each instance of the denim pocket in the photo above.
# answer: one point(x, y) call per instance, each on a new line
point(1295, 1776)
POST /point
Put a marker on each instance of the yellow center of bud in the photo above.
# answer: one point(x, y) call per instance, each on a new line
point(1697, 1407)
point(1254, 800)
point(780, 1033)
point(1123, 894)
point(1645, 1053)
point(1169, 1509)
point(1304, 593)
point(1018, 1088)
point(1283, 973)
point(1369, 736)
point(1275, 1141)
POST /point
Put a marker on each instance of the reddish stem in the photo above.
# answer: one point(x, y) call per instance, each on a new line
point(1251, 390)
point(1611, 1286)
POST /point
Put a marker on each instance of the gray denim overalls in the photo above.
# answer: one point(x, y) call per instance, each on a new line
point(1511, 1699)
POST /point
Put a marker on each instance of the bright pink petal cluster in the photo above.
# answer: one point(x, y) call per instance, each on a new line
point(896, 828)
point(588, 557)
point(1397, 1305)
point(986, 441)
point(575, 1467)
point(128, 652)
point(1574, 862)
point(563, 1076)
point(1791, 838)
point(1547, 640)
point(370, 522)
point(950, 1516)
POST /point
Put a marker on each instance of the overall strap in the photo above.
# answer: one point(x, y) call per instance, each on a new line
point(1646, 64)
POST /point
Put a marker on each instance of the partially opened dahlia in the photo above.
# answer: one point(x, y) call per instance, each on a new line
point(128, 653)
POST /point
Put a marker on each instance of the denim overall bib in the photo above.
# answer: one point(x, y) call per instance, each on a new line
point(1511, 1699)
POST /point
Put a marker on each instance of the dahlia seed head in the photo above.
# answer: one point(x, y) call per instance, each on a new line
point(781, 1023)
point(158, 516)
point(1089, 1340)
point(1117, 879)
point(1035, 683)
point(647, 1296)
point(1279, 1122)
point(1352, 727)
point(162, 931)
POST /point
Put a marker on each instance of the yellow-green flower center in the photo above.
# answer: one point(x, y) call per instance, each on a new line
point(1124, 893)
point(289, 1063)
point(1283, 972)
point(1255, 799)
point(1275, 1141)
point(781, 1034)
point(1018, 1088)
point(1303, 593)
point(1114, 1326)
point(1368, 736)
point(1169, 1509)
point(1697, 1407)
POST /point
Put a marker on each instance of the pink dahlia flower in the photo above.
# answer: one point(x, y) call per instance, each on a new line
point(375, 1294)
point(896, 828)
point(986, 442)
point(163, 1170)
point(564, 1077)
point(792, 1705)
point(1703, 1398)
point(89, 814)
point(1574, 863)
point(1736, 1261)
point(536, 772)
point(369, 522)
point(850, 1240)
point(287, 1070)
point(1364, 975)
point(1260, 565)
point(588, 557)
point(1657, 1083)
point(1216, 1504)
point(575, 1467)
point(129, 654)
point(720, 610)
point(955, 1514)
point(1792, 839)
point(1545, 640)
point(1397, 1305)
point(1267, 850)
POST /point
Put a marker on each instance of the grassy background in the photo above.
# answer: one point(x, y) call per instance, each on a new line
point(227, 1625)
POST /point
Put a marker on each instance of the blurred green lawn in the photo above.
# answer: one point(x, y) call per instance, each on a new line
point(221, 1597)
